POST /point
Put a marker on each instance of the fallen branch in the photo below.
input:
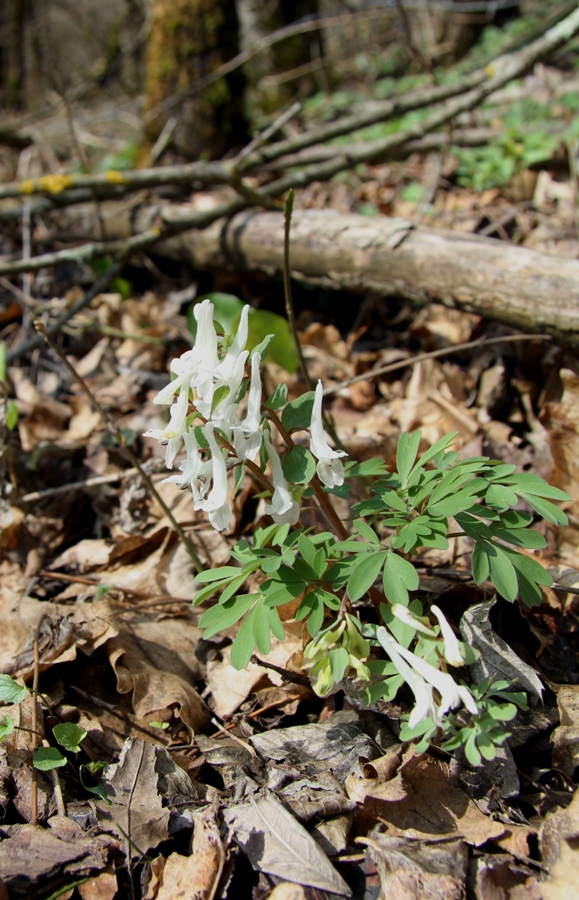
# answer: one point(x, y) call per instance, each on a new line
point(526, 290)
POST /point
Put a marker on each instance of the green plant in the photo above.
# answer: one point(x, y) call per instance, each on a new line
point(493, 165)
point(67, 735)
point(328, 574)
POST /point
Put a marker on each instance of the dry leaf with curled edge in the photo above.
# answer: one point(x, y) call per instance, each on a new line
point(276, 843)
point(421, 803)
point(418, 870)
point(496, 657)
point(158, 680)
point(195, 877)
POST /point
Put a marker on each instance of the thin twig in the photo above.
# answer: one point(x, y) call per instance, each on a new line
point(116, 431)
point(434, 354)
point(100, 285)
point(34, 729)
point(287, 288)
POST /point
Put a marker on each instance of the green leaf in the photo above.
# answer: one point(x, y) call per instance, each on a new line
point(261, 631)
point(393, 501)
point(471, 751)
point(338, 657)
point(299, 466)
point(223, 573)
point(219, 395)
point(99, 790)
point(480, 562)
point(278, 398)
point(6, 727)
point(48, 758)
point(535, 486)
point(486, 746)
point(400, 576)
point(502, 572)
point(243, 645)
point(276, 625)
point(369, 468)
point(366, 531)
point(549, 511)
point(69, 736)
point(263, 323)
point(10, 691)
point(502, 712)
point(436, 448)
point(312, 606)
point(365, 573)
point(501, 497)
point(262, 347)
point(406, 451)
point(297, 415)
point(224, 615)
point(11, 415)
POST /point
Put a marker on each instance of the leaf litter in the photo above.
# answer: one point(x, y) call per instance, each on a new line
point(239, 784)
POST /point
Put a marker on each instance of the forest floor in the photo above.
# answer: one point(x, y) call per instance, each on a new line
point(194, 779)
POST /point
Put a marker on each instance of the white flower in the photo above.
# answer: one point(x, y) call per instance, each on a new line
point(452, 653)
point(451, 695)
point(195, 471)
point(225, 368)
point(330, 468)
point(403, 613)
point(247, 435)
point(425, 707)
point(216, 503)
point(283, 508)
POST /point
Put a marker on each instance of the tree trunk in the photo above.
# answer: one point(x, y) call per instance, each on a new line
point(190, 40)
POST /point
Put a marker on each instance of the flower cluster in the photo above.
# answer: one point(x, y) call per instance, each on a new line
point(207, 386)
point(423, 679)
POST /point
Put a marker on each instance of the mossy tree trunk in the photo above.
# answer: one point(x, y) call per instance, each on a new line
point(191, 39)
point(13, 14)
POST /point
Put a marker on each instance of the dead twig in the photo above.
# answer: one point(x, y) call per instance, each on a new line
point(433, 354)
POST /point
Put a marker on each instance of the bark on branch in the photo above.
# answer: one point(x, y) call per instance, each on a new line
point(521, 288)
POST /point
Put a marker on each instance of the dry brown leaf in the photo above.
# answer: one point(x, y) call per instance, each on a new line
point(63, 631)
point(195, 877)
point(230, 687)
point(102, 887)
point(287, 890)
point(564, 877)
point(559, 826)
point(420, 803)
point(135, 811)
point(30, 855)
point(159, 681)
point(419, 870)
point(561, 418)
point(565, 738)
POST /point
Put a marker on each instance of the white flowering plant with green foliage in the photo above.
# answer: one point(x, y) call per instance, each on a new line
point(217, 412)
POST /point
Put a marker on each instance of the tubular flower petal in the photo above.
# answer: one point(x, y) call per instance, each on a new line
point(403, 613)
point(195, 472)
point(452, 653)
point(283, 508)
point(330, 468)
point(216, 504)
point(225, 368)
point(247, 435)
point(425, 707)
